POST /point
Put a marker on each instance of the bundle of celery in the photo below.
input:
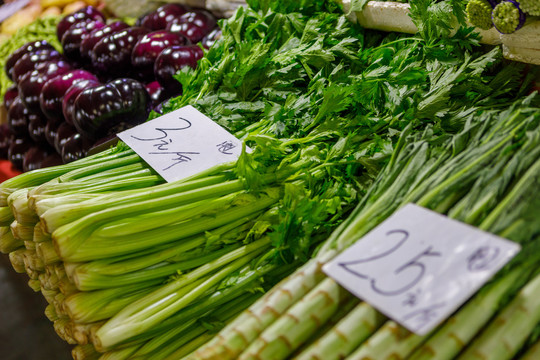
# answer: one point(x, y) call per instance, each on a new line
point(133, 267)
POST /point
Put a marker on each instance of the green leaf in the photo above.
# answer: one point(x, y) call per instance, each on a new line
point(357, 5)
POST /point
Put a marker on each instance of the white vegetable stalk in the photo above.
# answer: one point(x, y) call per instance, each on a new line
point(533, 353)
point(236, 336)
point(507, 333)
point(346, 335)
point(294, 327)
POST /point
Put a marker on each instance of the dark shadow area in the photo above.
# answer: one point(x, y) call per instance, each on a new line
point(25, 331)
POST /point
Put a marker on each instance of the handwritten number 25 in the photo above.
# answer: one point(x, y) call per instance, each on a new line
point(412, 270)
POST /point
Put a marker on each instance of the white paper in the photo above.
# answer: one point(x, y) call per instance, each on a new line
point(182, 143)
point(418, 266)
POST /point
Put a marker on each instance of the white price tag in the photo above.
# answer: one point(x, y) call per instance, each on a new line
point(418, 266)
point(182, 143)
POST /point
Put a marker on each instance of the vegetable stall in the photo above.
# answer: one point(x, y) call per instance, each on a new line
point(341, 125)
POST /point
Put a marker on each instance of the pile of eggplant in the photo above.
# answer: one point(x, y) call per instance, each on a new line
point(107, 77)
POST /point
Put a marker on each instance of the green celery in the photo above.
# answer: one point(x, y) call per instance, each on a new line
point(92, 306)
point(138, 317)
point(38, 177)
point(73, 244)
point(89, 281)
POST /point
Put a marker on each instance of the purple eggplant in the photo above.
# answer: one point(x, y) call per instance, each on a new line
point(189, 30)
point(17, 118)
point(157, 93)
point(173, 59)
point(158, 20)
point(75, 148)
point(30, 61)
point(54, 90)
point(17, 150)
point(150, 46)
point(112, 54)
point(135, 99)
point(35, 157)
point(110, 108)
point(5, 140)
point(63, 133)
point(96, 35)
point(103, 140)
point(71, 94)
point(36, 128)
point(26, 48)
point(11, 93)
point(32, 83)
point(51, 130)
point(194, 25)
point(53, 159)
point(74, 36)
point(209, 40)
point(84, 14)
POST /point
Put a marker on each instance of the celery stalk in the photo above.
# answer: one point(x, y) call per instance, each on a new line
point(74, 245)
point(236, 336)
point(38, 177)
point(139, 317)
point(532, 353)
point(85, 352)
point(286, 334)
point(448, 341)
point(508, 331)
point(88, 307)
point(345, 336)
point(158, 196)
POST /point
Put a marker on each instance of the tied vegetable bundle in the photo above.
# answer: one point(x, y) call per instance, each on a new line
point(133, 267)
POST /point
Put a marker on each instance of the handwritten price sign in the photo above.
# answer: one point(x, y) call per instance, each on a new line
point(182, 143)
point(418, 266)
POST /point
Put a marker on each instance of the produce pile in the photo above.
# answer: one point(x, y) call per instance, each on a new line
point(100, 78)
point(346, 126)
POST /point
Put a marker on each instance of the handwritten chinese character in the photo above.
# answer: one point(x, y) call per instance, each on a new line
point(482, 258)
point(165, 131)
point(181, 157)
point(225, 146)
point(411, 299)
point(424, 316)
point(163, 145)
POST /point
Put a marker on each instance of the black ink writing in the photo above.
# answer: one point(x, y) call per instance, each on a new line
point(414, 265)
point(411, 299)
point(413, 270)
point(180, 157)
point(423, 316)
point(163, 145)
point(163, 133)
point(482, 258)
point(225, 146)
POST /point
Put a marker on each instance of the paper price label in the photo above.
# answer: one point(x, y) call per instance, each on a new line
point(418, 266)
point(182, 143)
